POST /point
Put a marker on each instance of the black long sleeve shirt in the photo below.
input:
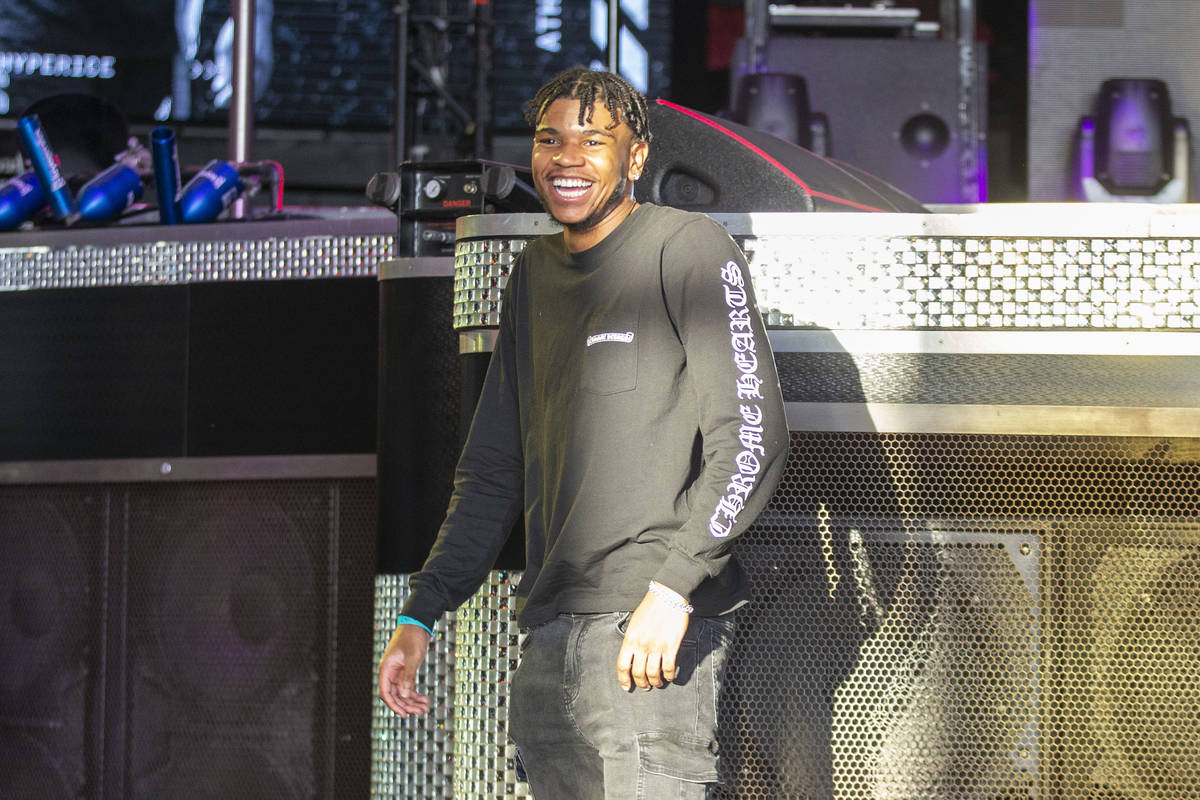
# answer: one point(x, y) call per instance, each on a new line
point(632, 411)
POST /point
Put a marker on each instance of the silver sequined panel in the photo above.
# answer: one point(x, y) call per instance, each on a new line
point(412, 758)
point(481, 269)
point(461, 750)
point(855, 275)
point(487, 651)
point(961, 282)
point(149, 257)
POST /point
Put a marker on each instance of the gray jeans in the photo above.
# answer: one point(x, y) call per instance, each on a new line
point(581, 736)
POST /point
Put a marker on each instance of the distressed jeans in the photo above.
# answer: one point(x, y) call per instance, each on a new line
point(580, 736)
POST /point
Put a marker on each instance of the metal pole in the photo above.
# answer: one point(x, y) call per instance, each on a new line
point(483, 69)
point(966, 21)
point(241, 107)
point(757, 29)
point(400, 82)
point(614, 12)
point(969, 110)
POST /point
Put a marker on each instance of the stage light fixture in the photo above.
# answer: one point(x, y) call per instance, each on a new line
point(1134, 148)
point(777, 103)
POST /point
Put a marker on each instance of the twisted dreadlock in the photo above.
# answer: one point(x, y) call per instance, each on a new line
point(588, 86)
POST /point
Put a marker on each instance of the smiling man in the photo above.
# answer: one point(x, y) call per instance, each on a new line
point(583, 168)
point(632, 413)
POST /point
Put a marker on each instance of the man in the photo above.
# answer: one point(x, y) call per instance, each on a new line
point(633, 409)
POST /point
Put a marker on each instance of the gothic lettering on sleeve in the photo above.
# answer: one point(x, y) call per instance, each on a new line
point(743, 351)
point(748, 387)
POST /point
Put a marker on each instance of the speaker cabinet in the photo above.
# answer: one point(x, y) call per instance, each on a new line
point(419, 413)
point(943, 617)
point(971, 617)
point(203, 638)
point(211, 368)
point(893, 107)
point(52, 592)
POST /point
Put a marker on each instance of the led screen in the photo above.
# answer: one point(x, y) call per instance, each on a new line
point(318, 63)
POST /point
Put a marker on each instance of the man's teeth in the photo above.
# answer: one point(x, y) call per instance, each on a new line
point(571, 187)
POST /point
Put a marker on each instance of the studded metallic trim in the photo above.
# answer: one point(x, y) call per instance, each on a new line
point(412, 758)
point(461, 750)
point(488, 649)
point(481, 268)
point(160, 255)
point(1114, 269)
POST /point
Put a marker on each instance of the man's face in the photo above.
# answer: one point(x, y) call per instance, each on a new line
point(582, 171)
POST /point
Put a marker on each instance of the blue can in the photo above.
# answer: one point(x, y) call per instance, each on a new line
point(20, 199)
point(164, 153)
point(37, 149)
point(109, 193)
point(212, 191)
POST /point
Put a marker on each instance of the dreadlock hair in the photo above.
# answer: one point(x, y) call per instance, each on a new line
point(589, 86)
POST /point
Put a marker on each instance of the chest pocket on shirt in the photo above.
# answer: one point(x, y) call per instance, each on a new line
point(610, 354)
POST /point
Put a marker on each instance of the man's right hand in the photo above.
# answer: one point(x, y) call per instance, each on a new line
point(398, 671)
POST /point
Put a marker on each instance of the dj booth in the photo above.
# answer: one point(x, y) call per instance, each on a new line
point(977, 579)
point(979, 574)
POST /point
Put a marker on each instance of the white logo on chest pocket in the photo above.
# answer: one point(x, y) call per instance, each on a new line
point(597, 338)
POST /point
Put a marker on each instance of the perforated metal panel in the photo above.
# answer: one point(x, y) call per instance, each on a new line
point(940, 617)
point(971, 617)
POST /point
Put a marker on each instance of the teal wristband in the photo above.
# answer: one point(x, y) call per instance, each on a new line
point(403, 620)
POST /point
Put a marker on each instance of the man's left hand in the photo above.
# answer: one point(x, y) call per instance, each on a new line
point(647, 656)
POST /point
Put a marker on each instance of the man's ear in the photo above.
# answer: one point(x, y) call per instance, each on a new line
point(638, 151)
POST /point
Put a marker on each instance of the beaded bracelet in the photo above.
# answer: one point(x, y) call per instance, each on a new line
point(670, 598)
